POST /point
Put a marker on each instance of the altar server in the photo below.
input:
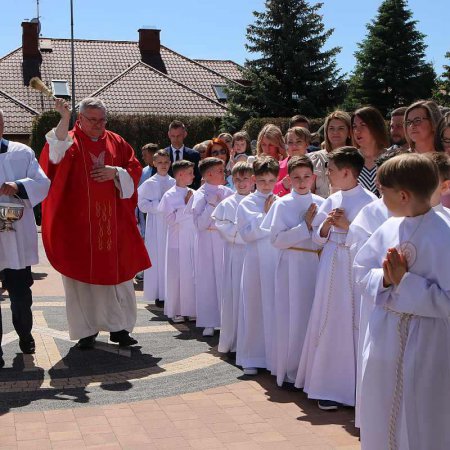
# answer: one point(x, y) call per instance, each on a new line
point(289, 222)
point(22, 177)
point(150, 193)
point(405, 397)
point(327, 369)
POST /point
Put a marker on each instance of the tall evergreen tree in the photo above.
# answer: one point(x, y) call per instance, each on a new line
point(390, 63)
point(292, 72)
point(442, 93)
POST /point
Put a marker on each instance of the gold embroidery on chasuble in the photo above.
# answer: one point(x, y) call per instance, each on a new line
point(103, 212)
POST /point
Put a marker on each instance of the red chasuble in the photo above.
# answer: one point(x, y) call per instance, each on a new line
point(89, 232)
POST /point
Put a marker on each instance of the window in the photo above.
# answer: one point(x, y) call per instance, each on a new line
point(221, 95)
point(60, 88)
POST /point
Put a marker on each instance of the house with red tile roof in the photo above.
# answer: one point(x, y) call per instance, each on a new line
point(130, 77)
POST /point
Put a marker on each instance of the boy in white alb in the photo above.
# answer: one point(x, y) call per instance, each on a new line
point(289, 223)
point(405, 391)
point(256, 328)
point(327, 369)
point(150, 193)
point(179, 274)
point(369, 219)
point(225, 218)
point(209, 255)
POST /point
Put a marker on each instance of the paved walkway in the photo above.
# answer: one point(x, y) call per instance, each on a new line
point(174, 391)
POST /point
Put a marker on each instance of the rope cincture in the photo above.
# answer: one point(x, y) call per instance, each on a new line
point(349, 275)
point(402, 331)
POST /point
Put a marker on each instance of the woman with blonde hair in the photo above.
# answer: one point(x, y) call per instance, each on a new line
point(421, 122)
point(271, 143)
point(337, 132)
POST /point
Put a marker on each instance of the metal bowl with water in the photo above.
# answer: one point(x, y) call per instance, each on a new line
point(9, 213)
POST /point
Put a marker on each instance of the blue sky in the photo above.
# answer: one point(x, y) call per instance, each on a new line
point(209, 29)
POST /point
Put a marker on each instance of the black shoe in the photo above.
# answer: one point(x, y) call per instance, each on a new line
point(2, 363)
point(87, 343)
point(159, 303)
point(27, 345)
point(328, 405)
point(122, 338)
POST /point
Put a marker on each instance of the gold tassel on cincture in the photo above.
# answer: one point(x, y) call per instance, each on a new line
point(38, 85)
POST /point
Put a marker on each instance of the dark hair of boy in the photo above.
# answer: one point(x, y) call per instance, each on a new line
point(347, 158)
point(176, 124)
point(442, 161)
point(299, 161)
point(241, 168)
point(205, 164)
point(243, 136)
point(265, 164)
point(162, 152)
point(151, 148)
point(293, 121)
point(390, 154)
point(178, 166)
point(411, 172)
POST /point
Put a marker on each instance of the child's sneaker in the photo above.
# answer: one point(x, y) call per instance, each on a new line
point(328, 405)
point(209, 331)
point(250, 371)
point(178, 319)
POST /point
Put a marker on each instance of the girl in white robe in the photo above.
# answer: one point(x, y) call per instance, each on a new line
point(179, 273)
point(149, 196)
point(295, 278)
point(327, 369)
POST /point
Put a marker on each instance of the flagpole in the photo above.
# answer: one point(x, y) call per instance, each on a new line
point(74, 113)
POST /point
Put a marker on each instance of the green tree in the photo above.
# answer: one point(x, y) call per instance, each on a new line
point(442, 92)
point(292, 73)
point(390, 64)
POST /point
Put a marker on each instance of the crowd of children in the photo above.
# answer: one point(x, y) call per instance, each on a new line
point(332, 295)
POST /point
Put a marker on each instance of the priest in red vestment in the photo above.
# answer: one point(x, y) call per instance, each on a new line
point(88, 223)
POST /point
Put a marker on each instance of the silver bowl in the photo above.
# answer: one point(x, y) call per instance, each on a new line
point(9, 213)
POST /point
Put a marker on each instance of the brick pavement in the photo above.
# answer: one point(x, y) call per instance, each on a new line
point(247, 414)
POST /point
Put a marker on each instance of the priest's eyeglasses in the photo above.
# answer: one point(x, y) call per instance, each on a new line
point(416, 121)
point(92, 121)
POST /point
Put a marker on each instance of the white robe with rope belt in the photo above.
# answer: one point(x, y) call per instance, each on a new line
point(327, 369)
point(405, 390)
point(295, 279)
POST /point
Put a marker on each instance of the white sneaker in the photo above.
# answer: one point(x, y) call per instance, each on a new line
point(250, 371)
point(178, 319)
point(209, 331)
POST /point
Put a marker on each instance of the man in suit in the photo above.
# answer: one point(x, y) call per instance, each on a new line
point(177, 150)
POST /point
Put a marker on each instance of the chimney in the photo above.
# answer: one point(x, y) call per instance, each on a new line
point(31, 56)
point(150, 48)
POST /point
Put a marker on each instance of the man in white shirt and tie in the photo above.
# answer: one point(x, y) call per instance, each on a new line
point(177, 150)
